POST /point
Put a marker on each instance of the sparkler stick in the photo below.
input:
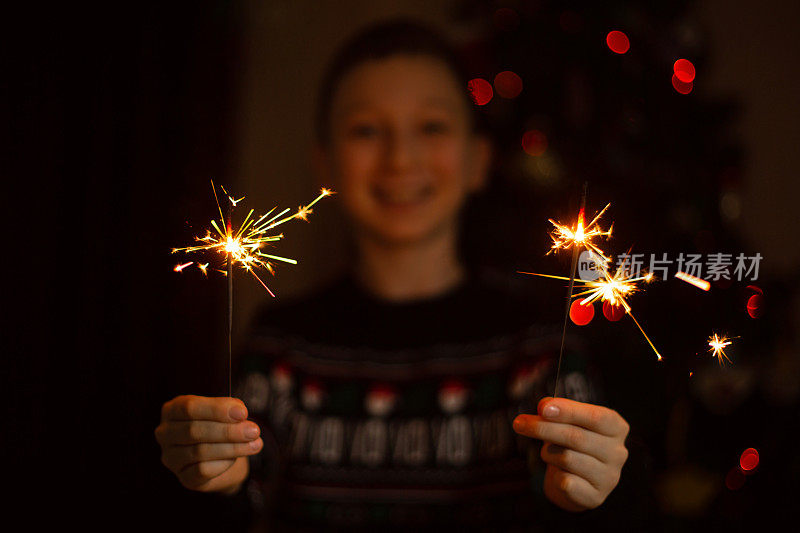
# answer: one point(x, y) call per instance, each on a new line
point(230, 303)
point(578, 236)
point(243, 247)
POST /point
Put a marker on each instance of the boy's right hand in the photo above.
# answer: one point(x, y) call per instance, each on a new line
point(205, 442)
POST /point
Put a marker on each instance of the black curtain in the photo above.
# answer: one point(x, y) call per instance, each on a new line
point(117, 120)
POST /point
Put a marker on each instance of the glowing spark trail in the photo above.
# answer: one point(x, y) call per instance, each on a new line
point(718, 345)
point(179, 268)
point(692, 280)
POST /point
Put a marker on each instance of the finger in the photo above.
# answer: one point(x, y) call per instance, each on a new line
point(571, 489)
point(592, 417)
point(580, 464)
point(566, 435)
point(204, 408)
point(198, 474)
point(194, 432)
point(178, 458)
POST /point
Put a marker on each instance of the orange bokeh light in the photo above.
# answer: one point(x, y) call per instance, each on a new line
point(581, 314)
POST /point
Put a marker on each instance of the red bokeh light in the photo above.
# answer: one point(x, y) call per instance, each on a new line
point(735, 479)
point(581, 314)
point(618, 42)
point(755, 288)
point(534, 142)
point(613, 312)
point(506, 19)
point(755, 306)
point(681, 87)
point(508, 84)
point(749, 459)
point(684, 70)
point(481, 91)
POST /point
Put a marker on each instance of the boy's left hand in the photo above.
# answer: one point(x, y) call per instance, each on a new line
point(583, 446)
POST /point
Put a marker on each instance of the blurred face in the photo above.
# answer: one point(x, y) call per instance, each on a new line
point(401, 150)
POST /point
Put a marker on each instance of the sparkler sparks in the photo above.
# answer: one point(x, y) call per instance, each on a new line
point(614, 289)
point(693, 280)
point(244, 247)
point(565, 237)
point(718, 345)
point(179, 268)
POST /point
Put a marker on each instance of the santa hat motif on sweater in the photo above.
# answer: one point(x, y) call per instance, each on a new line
point(282, 378)
point(521, 381)
point(524, 377)
point(380, 399)
point(255, 392)
point(453, 396)
point(312, 395)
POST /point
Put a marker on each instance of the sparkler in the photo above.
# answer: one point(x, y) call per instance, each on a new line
point(565, 237)
point(243, 247)
point(614, 289)
point(718, 345)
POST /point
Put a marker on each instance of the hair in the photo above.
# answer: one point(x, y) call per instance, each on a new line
point(380, 41)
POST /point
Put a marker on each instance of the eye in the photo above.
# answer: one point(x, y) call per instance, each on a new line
point(364, 131)
point(435, 127)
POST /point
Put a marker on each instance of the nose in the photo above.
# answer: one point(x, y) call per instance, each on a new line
point(402, 152)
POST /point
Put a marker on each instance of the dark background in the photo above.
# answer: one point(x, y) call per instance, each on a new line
point(117, 120)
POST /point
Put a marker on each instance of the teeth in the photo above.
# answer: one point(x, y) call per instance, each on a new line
point(402, 196)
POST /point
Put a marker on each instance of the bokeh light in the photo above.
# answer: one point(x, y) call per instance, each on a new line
point(508, 84)
point(618, 42)
point(613, 312)
point(735, 479)
point(534, 142)
point(684, 70)
point(681, 87)
point(755, 288)
point(506, 19)
point(581, 314)
point(481, 91)
point(755, 306)
point(749, 459)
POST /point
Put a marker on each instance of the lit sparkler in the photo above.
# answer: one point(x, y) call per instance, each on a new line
point(614, 289)
point(565, 237)
point(718, 345)
point(244, 247)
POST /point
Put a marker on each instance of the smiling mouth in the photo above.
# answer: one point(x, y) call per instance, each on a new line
point(402, 197)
